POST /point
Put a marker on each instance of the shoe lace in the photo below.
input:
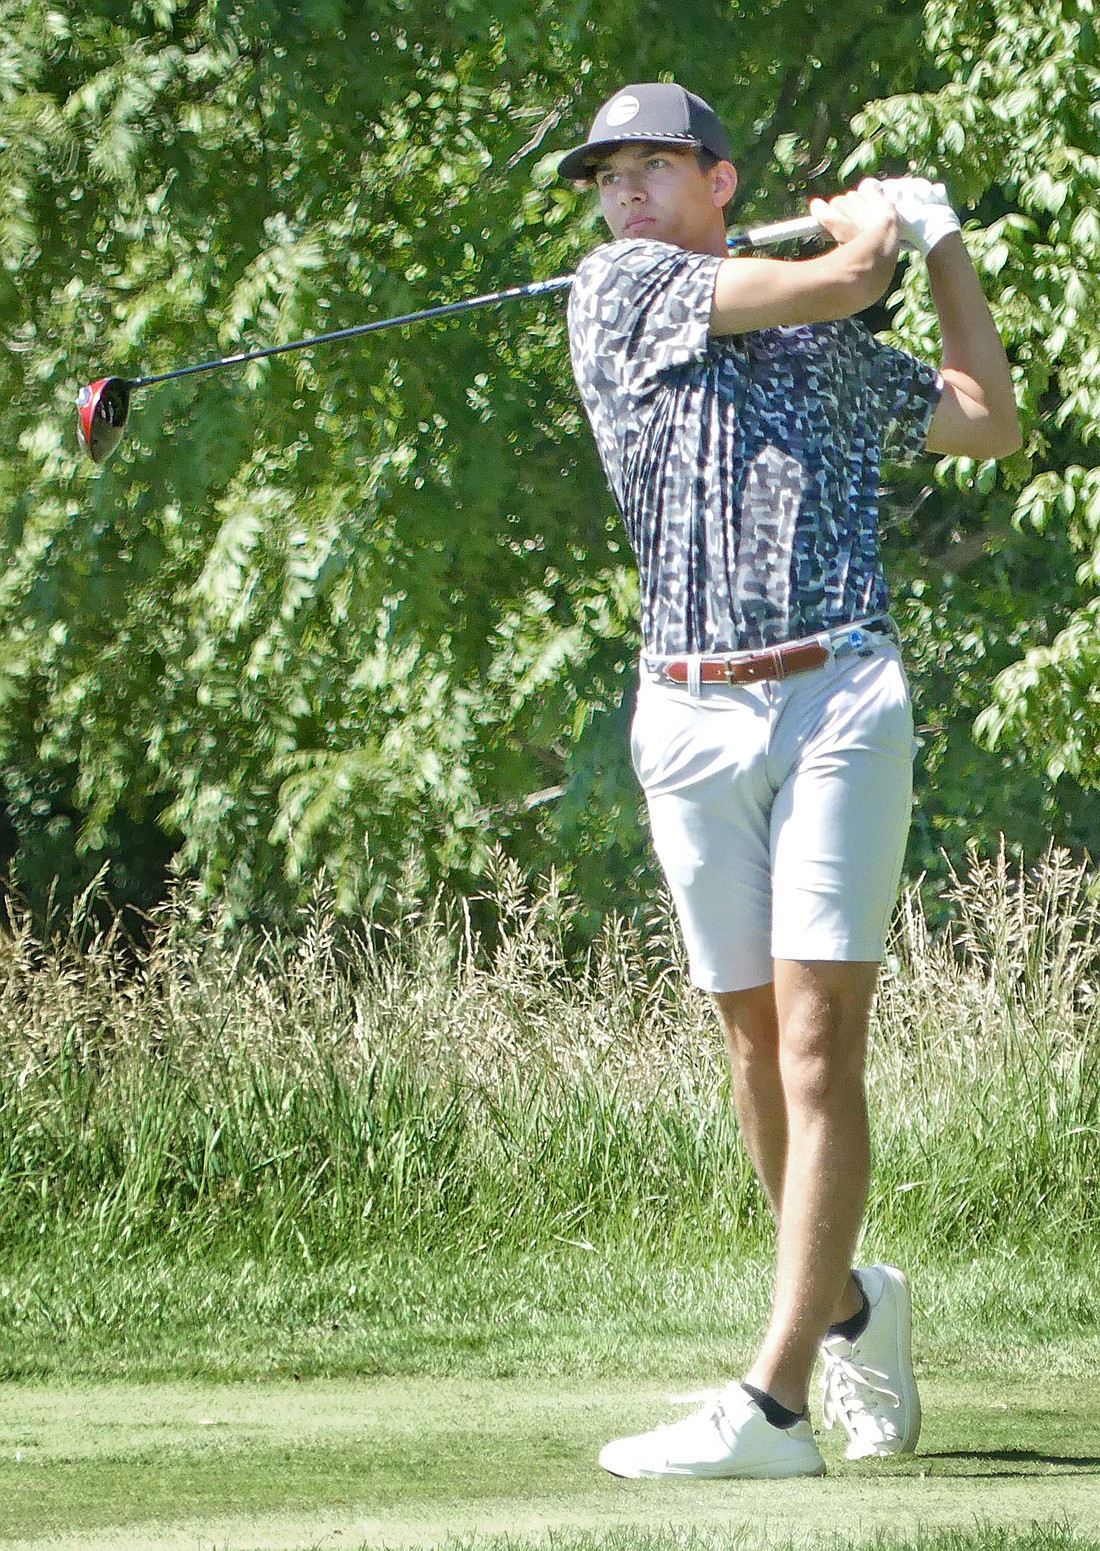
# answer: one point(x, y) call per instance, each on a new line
point(853, 1392)
point(706, 1398)
point(709, 1405)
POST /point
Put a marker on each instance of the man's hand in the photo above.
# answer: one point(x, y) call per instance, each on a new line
point(757, 293)
point(860, 211)
point(923, 208)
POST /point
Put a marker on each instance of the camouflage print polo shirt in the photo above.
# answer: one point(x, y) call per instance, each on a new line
point(746, 467)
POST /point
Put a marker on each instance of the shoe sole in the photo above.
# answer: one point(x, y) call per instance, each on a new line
point(765, 1473)
point(762, 1472)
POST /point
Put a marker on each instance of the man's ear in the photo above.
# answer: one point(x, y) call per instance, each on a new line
point(723, 176)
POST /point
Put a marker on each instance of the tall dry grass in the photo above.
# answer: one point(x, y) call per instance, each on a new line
point(419, 1087)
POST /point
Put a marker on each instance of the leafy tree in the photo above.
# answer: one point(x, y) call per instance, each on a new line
point(369, 607)
point(1000, 598)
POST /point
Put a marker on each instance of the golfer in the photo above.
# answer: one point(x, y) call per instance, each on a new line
point(742, 414)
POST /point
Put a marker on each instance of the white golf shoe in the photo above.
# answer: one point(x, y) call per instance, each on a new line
point(728, 1437)
point(868, 1384)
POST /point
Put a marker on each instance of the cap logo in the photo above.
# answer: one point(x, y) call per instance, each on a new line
point(622, 110)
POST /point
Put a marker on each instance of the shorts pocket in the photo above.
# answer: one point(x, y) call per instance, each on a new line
point(656, 731)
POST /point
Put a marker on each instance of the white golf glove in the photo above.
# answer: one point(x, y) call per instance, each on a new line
point(924, 210)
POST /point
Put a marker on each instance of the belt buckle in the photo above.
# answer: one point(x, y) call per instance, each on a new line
point(728, 665)
point(853, 640)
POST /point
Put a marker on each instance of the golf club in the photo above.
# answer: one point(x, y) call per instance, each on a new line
point(103, 405)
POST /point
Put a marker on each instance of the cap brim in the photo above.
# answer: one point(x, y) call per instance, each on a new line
point(576, 165)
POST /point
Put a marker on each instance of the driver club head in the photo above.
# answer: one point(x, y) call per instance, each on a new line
point(102, 408)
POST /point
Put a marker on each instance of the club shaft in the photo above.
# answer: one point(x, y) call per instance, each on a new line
point(445, 310)
point(757, 237)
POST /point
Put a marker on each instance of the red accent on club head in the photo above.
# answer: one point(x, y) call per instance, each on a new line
point(102, 408)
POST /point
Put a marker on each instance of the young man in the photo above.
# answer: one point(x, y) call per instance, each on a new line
point(741, 415)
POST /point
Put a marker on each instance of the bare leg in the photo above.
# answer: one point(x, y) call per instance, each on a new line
point(797, 1056)
point(751, 1028)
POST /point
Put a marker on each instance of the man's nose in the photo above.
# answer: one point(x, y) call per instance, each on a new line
point(630, 189)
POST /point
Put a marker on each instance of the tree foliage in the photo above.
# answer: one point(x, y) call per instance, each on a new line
point(369, 607)
point(1008, 607)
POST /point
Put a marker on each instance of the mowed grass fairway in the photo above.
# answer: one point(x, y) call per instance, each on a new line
point(403, 1462)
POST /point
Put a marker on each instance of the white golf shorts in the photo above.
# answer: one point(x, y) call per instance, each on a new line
point(780, 812)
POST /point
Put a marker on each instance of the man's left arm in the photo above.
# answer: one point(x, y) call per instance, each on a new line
point(976, 415)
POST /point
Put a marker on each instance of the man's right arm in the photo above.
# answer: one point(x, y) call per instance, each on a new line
point(756, 293)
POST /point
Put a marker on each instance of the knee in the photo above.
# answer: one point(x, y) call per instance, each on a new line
point(824, 1013)
point(751, 1027)
point(820, 1068)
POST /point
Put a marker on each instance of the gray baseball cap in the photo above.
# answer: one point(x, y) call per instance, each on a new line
point(659, 112)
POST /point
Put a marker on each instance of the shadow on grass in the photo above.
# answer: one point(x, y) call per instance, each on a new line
point(1076, 1464)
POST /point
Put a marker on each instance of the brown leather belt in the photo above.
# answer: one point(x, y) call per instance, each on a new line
point(778, 662)
point(772, 662)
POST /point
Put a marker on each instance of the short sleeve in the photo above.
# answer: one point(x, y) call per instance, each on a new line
point(907, 392)
point(638, 310)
